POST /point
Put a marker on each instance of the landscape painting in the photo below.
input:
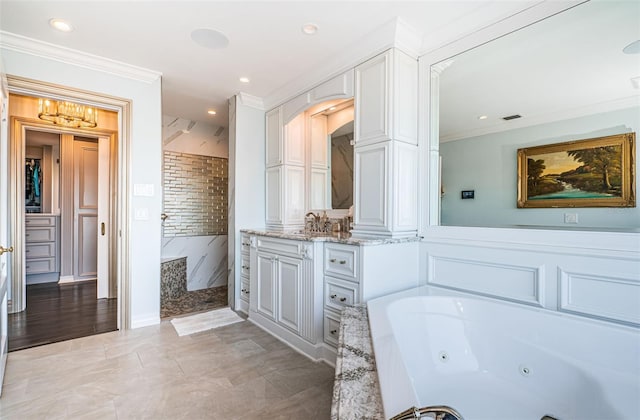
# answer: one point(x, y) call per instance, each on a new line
point(597, 172)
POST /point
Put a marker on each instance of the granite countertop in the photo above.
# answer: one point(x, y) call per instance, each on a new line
point(343, 238)
point(356, 392)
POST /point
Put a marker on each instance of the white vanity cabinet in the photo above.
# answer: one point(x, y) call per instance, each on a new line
point(285, 173)
point(286, 284)
point(245, 269)
point(354, 274)
point(386, 151)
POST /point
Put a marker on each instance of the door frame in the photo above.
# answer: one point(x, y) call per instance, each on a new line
point(119, 249)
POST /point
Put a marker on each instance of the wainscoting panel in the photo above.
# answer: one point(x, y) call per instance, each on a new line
point(522, 284)
point(599, 296)
point(590, 274)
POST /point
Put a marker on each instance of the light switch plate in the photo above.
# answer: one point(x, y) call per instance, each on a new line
point(142, 214)
point(571, 218)
point(143, 190)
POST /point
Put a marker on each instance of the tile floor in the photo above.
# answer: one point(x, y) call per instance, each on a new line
point(233, 372)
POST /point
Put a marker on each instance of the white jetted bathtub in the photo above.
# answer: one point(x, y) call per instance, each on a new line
point(493, 360)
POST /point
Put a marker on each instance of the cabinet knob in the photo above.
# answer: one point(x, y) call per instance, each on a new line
point(343, 262)
point(342, 299)
point(332, 260)
point(333, 296)
point(333, 332)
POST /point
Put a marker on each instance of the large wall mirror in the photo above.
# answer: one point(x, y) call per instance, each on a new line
point(572, 76)
point(331, 172)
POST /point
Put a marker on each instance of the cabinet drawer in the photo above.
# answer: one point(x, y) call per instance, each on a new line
point(341, 259)
point(331, 328)
point(245, 243)
point(339, 293)
point(45, 234)
point(244, 265)
point(280, 246)
point(244, 289)
point(45, 265)
point(39, 221)
point(44, 250)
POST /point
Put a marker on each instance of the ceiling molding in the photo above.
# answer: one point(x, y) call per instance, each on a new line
point(545, 118)
point(13, 42)
point(408, 38)
point(251, 100)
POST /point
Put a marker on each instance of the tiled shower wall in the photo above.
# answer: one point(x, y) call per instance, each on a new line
point(195, 201)
point(195, 194)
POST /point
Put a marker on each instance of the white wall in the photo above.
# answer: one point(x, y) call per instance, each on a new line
point(246, 180)
point(145, 144)
point(488, 165)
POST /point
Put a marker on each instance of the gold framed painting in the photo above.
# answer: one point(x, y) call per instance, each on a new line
point(597, 172)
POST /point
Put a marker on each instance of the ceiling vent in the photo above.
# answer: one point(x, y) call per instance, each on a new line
point(512, 117)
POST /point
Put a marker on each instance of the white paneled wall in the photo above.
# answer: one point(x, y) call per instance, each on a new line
point(594, 274)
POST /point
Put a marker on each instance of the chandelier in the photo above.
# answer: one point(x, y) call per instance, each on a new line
point(67, 114)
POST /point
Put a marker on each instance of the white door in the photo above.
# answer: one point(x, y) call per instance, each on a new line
point(85, 209)
point(103, 218)
point(4, 231)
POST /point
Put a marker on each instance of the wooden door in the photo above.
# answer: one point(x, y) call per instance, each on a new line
point(85, 209)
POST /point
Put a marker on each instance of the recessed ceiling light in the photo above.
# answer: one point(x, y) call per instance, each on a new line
point(210, 38)
point(309, 28)
point(61, 25)
point(211, 112)
point(245, 80)
point(482, 117)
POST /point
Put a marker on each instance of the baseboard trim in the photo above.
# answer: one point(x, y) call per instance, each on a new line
point(71, 279)
point(145, 321)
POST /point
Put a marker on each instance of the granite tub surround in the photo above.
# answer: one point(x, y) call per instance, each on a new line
point(342, 238)
point(206, 259)
point(356, 392)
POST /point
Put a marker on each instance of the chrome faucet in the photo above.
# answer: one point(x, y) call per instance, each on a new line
point(437, 412)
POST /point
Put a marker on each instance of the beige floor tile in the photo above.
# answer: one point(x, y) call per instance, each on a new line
point(234, 372)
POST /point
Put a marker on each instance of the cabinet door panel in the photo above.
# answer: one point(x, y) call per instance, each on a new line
point(295, 141)
point(266, 292)
point(290, 288)
point(372, 100)
point(274, 137)
point(274, 194)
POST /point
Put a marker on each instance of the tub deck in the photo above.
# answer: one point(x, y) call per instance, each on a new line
point(356, 392)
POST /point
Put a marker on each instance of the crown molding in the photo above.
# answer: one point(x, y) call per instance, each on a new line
point(408, 38)
point(18, 43)
point(250, 100)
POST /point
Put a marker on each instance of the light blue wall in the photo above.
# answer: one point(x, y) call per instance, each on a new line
point(488, 165)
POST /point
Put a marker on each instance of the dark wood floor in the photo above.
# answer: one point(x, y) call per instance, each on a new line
point(61, 312)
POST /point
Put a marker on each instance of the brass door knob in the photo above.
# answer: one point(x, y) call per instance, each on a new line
point(3, 249)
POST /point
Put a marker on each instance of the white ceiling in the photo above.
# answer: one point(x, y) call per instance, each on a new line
point(266, 43)
point(568, 65)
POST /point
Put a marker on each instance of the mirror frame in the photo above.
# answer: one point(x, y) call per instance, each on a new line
point(428, 133)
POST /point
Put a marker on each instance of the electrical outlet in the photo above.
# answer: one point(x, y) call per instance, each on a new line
point(571, 218)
